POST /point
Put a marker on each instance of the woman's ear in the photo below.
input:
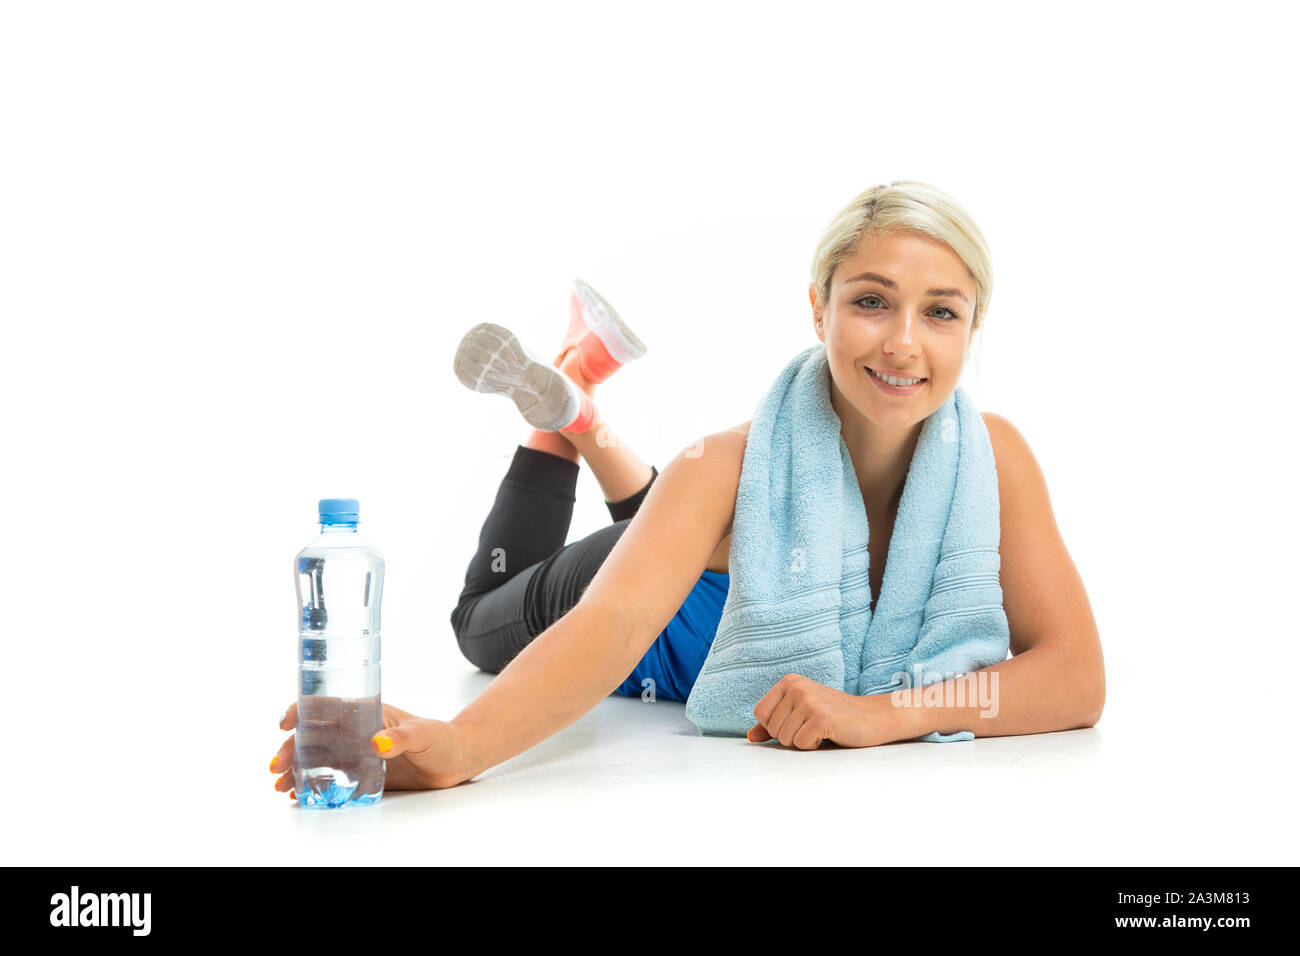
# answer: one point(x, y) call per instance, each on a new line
point(819, 314)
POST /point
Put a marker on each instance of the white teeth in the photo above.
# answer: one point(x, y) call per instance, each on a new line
point(895, 381)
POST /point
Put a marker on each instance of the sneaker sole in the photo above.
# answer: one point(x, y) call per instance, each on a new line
point(620, 341)
point(491, 359)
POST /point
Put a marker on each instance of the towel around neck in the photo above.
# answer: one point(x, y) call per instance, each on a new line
point(800, 595)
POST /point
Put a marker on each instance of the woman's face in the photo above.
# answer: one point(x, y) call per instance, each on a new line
point(901, 304)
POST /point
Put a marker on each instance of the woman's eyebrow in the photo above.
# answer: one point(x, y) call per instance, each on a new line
point(891, 284)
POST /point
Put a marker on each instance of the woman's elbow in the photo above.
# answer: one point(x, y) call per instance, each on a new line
point(1093, 716)
point(1095, 699)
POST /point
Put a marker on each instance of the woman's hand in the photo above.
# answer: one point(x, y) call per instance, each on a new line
point(802, 713)
point(421, 754)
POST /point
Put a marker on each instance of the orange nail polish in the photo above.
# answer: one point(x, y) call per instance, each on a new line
point(273, 760)
point(384, 744)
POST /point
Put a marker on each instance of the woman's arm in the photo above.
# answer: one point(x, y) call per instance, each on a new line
point(571, 666)
point(1029, 694)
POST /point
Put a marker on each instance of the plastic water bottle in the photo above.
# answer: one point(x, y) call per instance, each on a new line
point(340, 581)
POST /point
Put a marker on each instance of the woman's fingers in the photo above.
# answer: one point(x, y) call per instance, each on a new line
point(283, 759)
point(758, 733)
point(390, 741)
point(414, 736)
point(282, 762)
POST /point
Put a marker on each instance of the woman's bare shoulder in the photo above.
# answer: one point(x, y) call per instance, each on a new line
point(719, 456)
point(732, 439)
point(707, 471)
point(742, 429)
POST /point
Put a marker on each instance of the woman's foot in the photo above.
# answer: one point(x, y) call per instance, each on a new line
point(597, 335)
point(491, 359)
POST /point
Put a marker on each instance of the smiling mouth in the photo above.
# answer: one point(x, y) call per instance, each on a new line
point(874, 374)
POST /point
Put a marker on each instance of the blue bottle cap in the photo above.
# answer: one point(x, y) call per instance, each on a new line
point(339, 511)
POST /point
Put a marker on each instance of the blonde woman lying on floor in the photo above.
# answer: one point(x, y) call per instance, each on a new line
point(900, 283)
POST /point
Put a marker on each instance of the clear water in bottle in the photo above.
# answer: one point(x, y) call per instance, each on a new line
point(340, 581)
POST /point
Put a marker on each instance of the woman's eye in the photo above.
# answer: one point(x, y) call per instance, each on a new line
point(865, 302)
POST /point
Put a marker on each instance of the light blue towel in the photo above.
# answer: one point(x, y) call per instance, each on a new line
point(800, 597)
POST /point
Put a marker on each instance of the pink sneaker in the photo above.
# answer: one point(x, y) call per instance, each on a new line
point(604, 342)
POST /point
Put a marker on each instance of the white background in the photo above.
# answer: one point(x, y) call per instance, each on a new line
point(239, 243)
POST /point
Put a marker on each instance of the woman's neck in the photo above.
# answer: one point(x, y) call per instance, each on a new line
point(881, 456)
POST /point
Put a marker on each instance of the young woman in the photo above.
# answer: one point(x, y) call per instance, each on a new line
point(900, 282)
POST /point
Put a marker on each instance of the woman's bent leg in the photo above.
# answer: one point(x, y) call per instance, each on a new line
point(493, 627)
point(523, 578)
point(625, 509)
point(618, 469)
point(528, 523)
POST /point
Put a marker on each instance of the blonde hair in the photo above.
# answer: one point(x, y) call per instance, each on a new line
point(906, 205)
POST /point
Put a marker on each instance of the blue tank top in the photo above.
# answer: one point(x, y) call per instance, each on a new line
point(675, 658)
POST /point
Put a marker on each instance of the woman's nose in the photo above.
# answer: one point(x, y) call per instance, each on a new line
point(902, 328)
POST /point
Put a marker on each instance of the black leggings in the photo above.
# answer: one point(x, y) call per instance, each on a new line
point(524, 578)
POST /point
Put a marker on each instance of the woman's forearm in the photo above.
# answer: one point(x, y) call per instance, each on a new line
point(560, 675)
point(1044, 689)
